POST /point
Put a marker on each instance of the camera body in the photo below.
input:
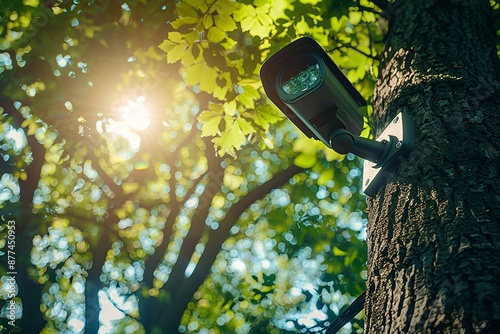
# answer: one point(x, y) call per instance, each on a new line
point(305, 84)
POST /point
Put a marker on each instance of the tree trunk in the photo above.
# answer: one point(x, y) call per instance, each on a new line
point(27, 224)
point(434, 229)
point(30, 292)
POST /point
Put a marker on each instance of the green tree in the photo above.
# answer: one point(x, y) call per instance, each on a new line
point(119, 171)
point(432, 229)
point(178, 234)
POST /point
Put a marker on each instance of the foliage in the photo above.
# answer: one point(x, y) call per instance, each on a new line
point(221, 45)
point(110, 172)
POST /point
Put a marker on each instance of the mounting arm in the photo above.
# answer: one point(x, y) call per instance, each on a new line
point(343, 142)
point(389, 149)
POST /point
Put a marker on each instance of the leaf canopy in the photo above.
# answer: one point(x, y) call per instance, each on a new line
point(120, 125)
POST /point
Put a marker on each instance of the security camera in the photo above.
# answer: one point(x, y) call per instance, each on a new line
point(308, 87)
point(303, 81)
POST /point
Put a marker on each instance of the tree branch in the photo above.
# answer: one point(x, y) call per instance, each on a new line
point(149, 306)
point(152, 262)
point(197, 228)
point(349, 46)
point(103, 175)
point(175, 207)
point(172, 316)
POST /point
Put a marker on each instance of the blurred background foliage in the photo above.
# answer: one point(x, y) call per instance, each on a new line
point(155, 188)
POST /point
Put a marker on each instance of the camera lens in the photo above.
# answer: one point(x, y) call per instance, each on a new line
point(303, 76)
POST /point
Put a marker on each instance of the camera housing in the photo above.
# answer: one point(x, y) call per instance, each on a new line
point(308, 87)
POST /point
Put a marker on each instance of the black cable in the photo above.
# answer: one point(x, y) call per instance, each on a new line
point(350, 312)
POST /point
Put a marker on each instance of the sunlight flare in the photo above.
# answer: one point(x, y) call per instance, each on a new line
point(135, 114)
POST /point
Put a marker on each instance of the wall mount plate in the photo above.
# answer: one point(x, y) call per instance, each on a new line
point(400, 135)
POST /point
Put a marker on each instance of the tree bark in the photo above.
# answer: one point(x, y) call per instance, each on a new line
point(434, 229)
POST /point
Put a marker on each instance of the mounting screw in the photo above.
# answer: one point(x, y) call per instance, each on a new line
point(399, 144)
point(367, 181)
point(396, 119)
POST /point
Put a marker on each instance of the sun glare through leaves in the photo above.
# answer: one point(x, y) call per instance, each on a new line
point(135, 114)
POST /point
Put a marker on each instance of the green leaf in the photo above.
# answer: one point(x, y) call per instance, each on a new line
point(182, 21)
point(247, 23)
point(248, 96)
point(302, 27)
point(191, 37)
point(265, 19)
point(350, 258)
point(369, 16)
point(230, 108)
point(262, 4)
point(175, 37)
point(194, 73)
point(266, 116)
point(258, 29)
point(355, 17)
point(305, 160)
point(326, 175)
point(174, 50)
point(337, 24)
point(245, 126)
point(196, 50)
point(216, 34)
point(211, 127)
point(232, 138)
point(306, 145)
point(244, 12)
point(208, 81)
point(338, 252)
point(185, 10)
point(246, 101)
point(251, 92)
point(167, 45)
point(211, 120)
point(269, 279)
point(31, 3)
point(225, 22)
point(208, 21)
point(224, 6)
point(201, 5)
point(331, 155)
point(220, 92)
point(176, 53)
point(203, 75)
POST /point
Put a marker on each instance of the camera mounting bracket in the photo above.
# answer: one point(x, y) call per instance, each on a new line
point(400, 137)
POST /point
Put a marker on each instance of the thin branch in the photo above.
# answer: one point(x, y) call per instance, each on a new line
point(103, 175)
point(174, 154)
point(81, 221)
point(118, 307)
point(348, 46)
point(154, 260)
point(188, 138)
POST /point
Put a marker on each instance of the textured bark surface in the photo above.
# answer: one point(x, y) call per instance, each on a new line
point(434, 229)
